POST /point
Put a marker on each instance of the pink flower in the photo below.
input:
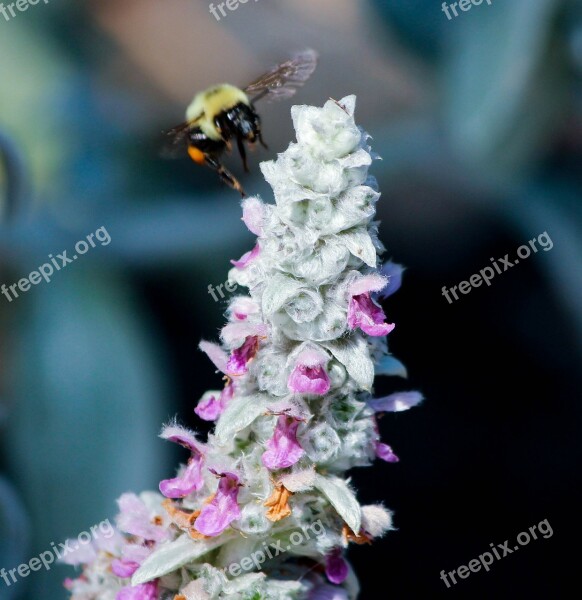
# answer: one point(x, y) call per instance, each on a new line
point(247, 258)
point(124, 568)
point(309, 375)
point(384, 452)
point(216, 354)
point(240, 308)
point(191, 479)
point(145, 591)
point(218, 514)
point(336, 568)
point(240, 357)
point(283, 449)
point(363, 312)
point(132, 558)
point(135, 518)
point(211, 406)
point(244, 338)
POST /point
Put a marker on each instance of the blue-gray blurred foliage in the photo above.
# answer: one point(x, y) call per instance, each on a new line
point(87, 380)
point(506, 132)
point(87, 386)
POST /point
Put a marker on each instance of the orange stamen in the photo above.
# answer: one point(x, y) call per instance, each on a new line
point(278, 503)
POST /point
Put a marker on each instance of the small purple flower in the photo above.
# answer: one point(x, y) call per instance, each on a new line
point(240, 357)
point(363, 312)
point(327, 592)
point(283, 449)
point(132, 557)
point(336, 568)
point(396, 402)
point(393, 272)
point(223, 509)
point(384, 452)
point(124, 568)
point(191, 479)
point(145, 591)
point(309, 375)
point(212, 405)
point(135, 518)
point(244, 338)
point(244, 261)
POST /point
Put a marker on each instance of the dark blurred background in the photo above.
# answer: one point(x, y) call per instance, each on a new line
point(478, 120)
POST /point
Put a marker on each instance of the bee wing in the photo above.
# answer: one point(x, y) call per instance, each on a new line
point(283, 80)
point(176, 141)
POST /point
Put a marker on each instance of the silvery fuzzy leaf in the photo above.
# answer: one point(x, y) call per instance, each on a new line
point(329, 132)
point(287, 589)
point(268, 369)
point(174, 555)
point(391, 366)
point(237, 549)
point(349, 104)
point(239, 414)
point(329, 325)
point(353, 353)
point(253, 520)
point(243, 583)
point(299, 481)
point(301, 303)
point(321, 178)
point(342, 499)
point(323, 266)
point(321, 443)
point(355, 207)
point(359, 158)
point(360, 244)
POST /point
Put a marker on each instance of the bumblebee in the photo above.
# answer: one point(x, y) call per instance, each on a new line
point(224, 113)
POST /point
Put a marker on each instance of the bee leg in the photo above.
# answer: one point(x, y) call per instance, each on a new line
point(243, 153)
point(260, 136)
point(225, 175)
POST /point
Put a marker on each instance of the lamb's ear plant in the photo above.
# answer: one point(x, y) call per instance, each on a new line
point(263, 509)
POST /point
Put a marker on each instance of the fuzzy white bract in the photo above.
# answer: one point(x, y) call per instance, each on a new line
point(262, 510)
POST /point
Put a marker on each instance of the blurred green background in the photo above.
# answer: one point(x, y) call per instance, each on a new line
point(479, 123)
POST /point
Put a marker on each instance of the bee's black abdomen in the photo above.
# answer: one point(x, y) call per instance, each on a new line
point(200, 140)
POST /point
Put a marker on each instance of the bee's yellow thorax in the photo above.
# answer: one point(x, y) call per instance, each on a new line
point(210, 103)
